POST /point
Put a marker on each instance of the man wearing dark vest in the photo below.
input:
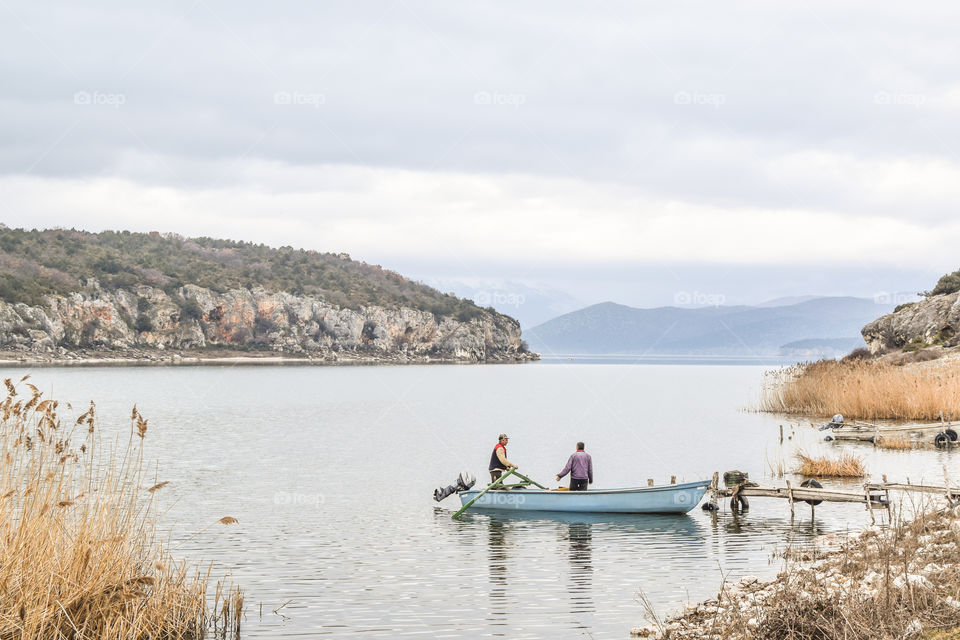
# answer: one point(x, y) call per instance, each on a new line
point(580, 468)
point(498, 459)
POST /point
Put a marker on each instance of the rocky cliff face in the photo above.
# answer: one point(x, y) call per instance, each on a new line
point(934, 321)
point(195, 318)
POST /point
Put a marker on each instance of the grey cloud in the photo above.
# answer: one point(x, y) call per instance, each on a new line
point(695, 102)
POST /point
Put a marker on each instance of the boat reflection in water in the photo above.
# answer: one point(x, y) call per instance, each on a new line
point(497, 566)
point(580, 539)
point(585, 552)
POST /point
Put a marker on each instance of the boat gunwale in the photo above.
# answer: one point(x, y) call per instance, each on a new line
point(624, 490)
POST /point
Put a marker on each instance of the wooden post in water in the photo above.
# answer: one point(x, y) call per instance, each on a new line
point(673, 479)
point(790, 498)
point(649, 482)
point(946, 486)
point(493, 484)
point(715, 489)
point(781, 434)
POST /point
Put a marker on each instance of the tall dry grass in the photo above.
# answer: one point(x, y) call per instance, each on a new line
point(899, 443)
point(844, 466)
point(79, 552)
point(867, 390)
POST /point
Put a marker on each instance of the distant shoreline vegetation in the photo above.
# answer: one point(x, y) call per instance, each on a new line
point(34, 264)
point(865, 389)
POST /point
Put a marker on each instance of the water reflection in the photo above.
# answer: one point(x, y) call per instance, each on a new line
point(580, 538)
point(497, 533)
point(587, 547)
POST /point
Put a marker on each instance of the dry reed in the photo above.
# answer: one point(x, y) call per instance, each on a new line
point(894, 442)
point(79, 556)
point(846, 466)
point(891, 584)
point(863, 389)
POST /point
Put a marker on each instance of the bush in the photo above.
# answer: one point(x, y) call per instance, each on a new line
point(950, 283)
point(860, 353)
point(88, 332)
point(143, 323)
point(189, 308)
point(916, 344)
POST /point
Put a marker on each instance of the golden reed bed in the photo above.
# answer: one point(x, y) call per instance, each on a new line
point(845, 466)
point(79, 554)
point(867, 390)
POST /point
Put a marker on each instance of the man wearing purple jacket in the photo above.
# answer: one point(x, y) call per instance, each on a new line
point(580, 468)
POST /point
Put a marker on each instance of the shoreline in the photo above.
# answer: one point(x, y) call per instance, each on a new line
point(158, 358)
point(899, 581)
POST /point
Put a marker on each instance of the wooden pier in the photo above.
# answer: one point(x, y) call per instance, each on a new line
point(874, 495)
point(870, 432)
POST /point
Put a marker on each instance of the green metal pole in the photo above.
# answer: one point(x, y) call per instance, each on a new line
point(493, 484)
point(533, 482)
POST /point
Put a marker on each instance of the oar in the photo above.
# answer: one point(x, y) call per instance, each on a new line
point(493, 484)
point(533, 482)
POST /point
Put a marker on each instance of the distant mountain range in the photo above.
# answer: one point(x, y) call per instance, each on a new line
point(530, 303)
point(814, 327)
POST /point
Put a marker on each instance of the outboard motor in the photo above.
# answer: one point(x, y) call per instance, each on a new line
point(464, 481)
point(835, 423)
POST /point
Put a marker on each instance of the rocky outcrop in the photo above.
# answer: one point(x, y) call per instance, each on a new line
point(935, 320)
point(195, 319)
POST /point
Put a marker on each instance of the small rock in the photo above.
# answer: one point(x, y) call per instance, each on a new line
point(913, 629)
point(644, 632)
point(913, 580)
point(746, 581)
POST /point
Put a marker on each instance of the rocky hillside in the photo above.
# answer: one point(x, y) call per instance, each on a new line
point(934, 321)
point(930, 326)
point(144, 310)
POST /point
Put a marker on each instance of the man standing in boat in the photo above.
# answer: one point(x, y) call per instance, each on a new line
point(580, 468)
point(498, 459)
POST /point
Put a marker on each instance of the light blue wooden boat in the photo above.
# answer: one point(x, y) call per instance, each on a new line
point(673, 498)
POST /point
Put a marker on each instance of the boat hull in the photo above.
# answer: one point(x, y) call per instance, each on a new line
point(674, 498)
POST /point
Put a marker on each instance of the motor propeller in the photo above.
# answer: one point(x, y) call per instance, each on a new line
point(464, 482)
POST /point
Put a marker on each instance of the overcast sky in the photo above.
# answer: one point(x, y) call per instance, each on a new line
point(625, 151)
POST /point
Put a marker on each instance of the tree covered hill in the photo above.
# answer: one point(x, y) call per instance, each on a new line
point(61, 261)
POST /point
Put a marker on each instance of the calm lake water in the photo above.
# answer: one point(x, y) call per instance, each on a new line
point(330, 472)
